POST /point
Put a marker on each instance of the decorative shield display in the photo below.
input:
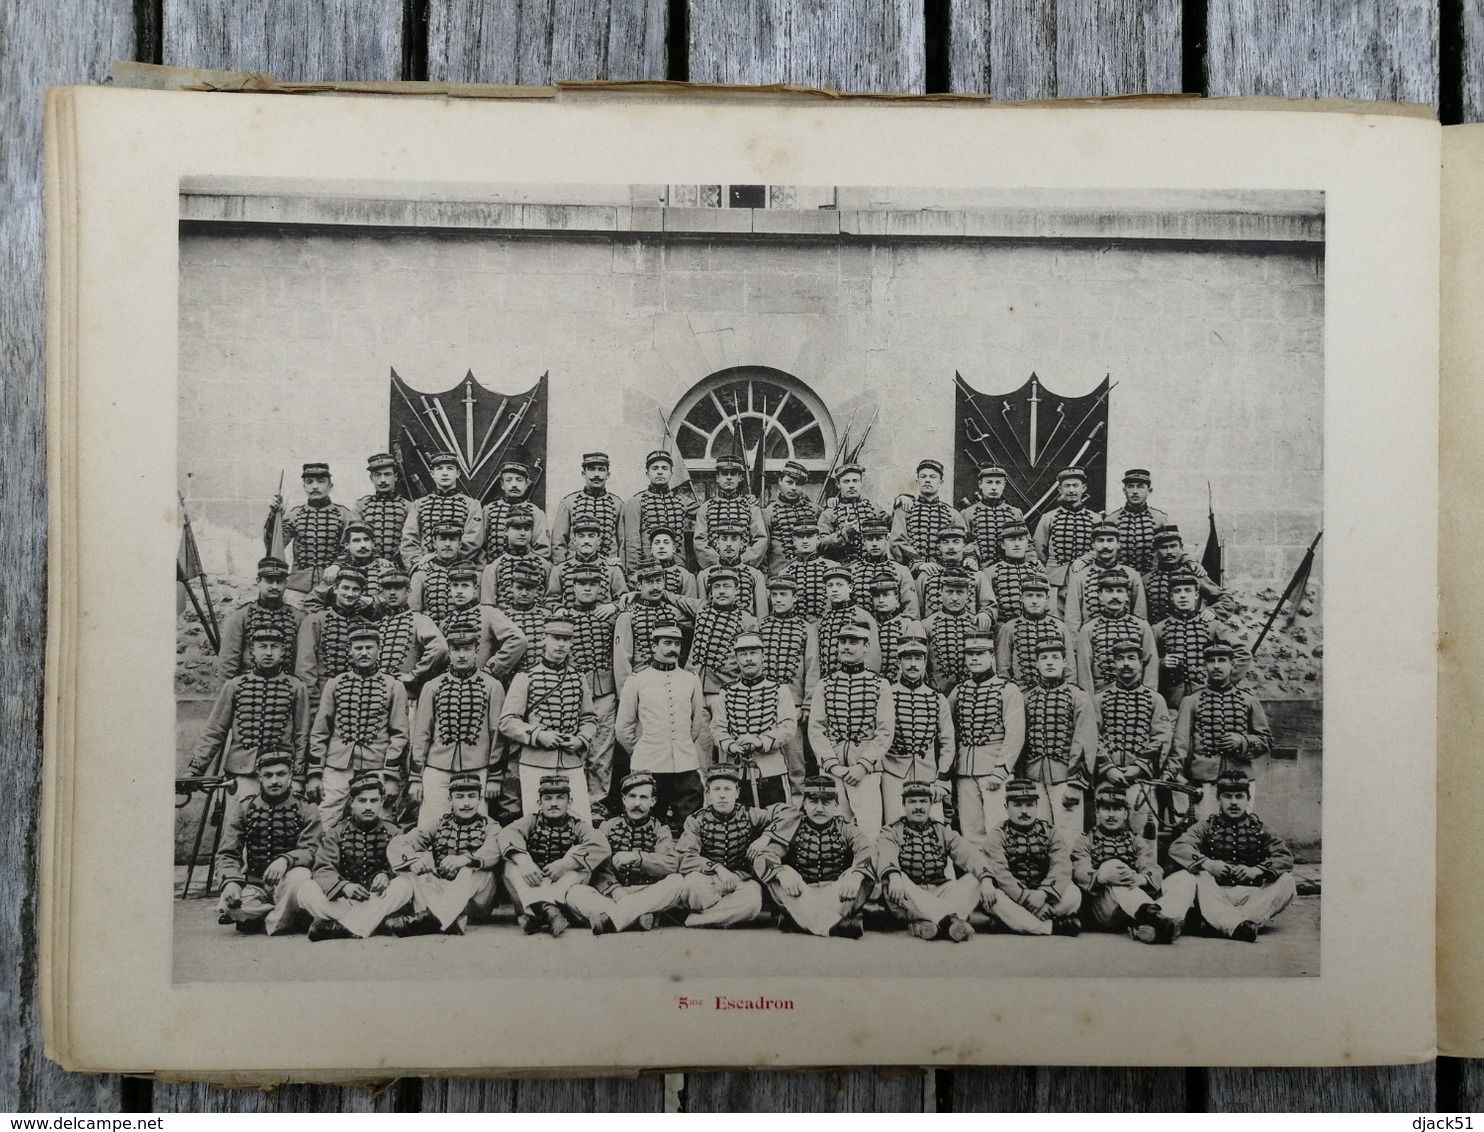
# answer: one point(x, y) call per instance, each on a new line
point(483, 429)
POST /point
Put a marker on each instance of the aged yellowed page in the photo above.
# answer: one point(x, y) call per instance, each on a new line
point(1243, 304)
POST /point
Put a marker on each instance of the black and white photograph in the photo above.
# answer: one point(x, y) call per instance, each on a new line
point(605, 580)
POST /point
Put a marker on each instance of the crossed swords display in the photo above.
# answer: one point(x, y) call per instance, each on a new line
point(440, 431)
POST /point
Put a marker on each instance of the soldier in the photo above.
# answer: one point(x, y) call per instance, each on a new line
point(260, 710)
point(841, 520)
point(445, 505)
point(1120, 876)
point(314, 528)
point(361, 725)
point(731, 506)
point(852, 718)
point(1134, 728)
point(753, 719)
point(950, 556)
point(1086, 572)
point(359, 552)
point(353, 891)
point(752, 587)
point(715, 850)
point(817, 866)
point(267, 609)
point(912, 859)
point(430, 580)
point(549, 712)
point(788, 508)
point(873, 561)
point(412, 647)
point(384, 510)
point(1007, 577)
point(1032, 867)
point(525, 581)
point(643, 609)
point(791, 657)
point(452, 866)
point(642, 854)
point(891, 623)
point(1220, 728)
point(1137, 521)
point(501, 644)
point(989, 730)
point(718, 622)
point(1182, 637)
point(515, 487)
point(455, 729)
point(658, 505)
point(1113, 624)
point(592, 656)
point(1021, 636)
point(662, 724)
point(1065, 532)
point(595, 502)
point(495, 587)
point(947, 628)
point(547, 853)
point(1238, 871)
point(841, 609)
point(267, 849)
point(582, 553)
point(664, 549)
point(1172, 561)
point(322, 649)
point(922, 742)
point(805, 568)
point(1061, 739)
point(987, 517)
point(916, 522)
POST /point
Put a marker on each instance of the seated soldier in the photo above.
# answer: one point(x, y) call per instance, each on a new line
point(818, 866)
point(267, 849)
point(912, 858)
point(546, 853)
point(452, 866)
point(1238, 871)
point(1119, 874)
point(643, 854)
point(353, 890)
point(1032, 868)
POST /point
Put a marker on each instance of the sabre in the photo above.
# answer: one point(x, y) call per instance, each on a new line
point(469, 416)
point(515, 419)
point(489, 432)
point(1035, 403)
point(988, 434)
point(1085, 416)
point(1004, 411)
point(453, 439)
point(417, 416)
point(410, 480)
point(445, 440)
point(855, 453)
point(1076, 461)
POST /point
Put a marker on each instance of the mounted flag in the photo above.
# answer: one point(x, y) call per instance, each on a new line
point(1212, 558)
point(188, 568)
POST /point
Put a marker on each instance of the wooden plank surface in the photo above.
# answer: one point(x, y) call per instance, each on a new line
point(865, 1090)
point(1465, 39)
point(293, 40)
point(1069, 1090)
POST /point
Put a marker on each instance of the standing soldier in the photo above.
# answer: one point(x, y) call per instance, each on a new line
point(452, 866)
point(1008, 576)
point(645, 608)
point(1134, 726)
point(1113, 625)
point(384, 510)
point(852, 718)
point(987, 517)
point(989, 730)
point(790, 507)
point(917, 522)
point(445, 505)
point(922, 742)
point(1085, 574)
point(582, 553)
point(817, 866)
point(594, 501)
point(753, 719)
point(353, 891)
point(322, 650)
point(842, 519)
point(642, 854)
point(912, 859)
point(873, 561)
point(525, 582)
point(752, 595)
point(314, 528)
point(1170, 562)
point(267, 610)
point(1031, 864)
point(1137, 521)
point(1182, 637)
point(1020, 637)
point(1064, 533)
point(361, 725)
point(454, 731)
point(1061, 740)
point(1220, 728)
point(841, 609)
point(947, 628)
point(806, 567)
point(950, 556)
point(1119, 873)
point(658, 505)
point(515, 486)
point(412, 647)
point(791, 657)
point(547, 853)
point(431, 586)
point(892, 623)
point(665, 546)
point(718, 622)
point(592, 656)
point(359, 553)
point(495, 579)
point(501, 644)
point(730, 507)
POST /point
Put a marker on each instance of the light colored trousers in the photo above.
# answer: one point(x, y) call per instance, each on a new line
point(1226, 906)
point(981, 806)
point(793, 757)
point(527, 896)
point(819, 907)
point(471, 892)
point(616, 903)
point(435, 796)
point(1021, 920)
point(699, 894)
point(862, 804)
point(600, 754)
point(932, 903)
point(359, 917)
point(276, 905)
point(530, 789)
point(1116, 905)
point(1050, 808)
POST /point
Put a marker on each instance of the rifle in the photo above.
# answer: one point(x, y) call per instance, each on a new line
point(214, 786)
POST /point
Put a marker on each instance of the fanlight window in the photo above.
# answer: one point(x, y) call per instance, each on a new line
point(770, 410)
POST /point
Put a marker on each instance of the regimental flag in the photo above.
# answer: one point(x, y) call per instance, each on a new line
point(1032, 433)
point(1211, 558)
point(188, 568)
point(1297, 585)
point(481, 428)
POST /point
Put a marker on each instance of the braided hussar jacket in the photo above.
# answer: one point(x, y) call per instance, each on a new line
point(827, 633)
point(988, 724)
point(315, 533)
point(531, 621)
point(985, 521)
point(632, 647)
point(458, 717)
point(411, 645)
point(763, 708)
point(1134, 727)
point(808, 576)
point(425, 515)
point(497, 513)
point(386, 515)
point(780, 517)
point(852, 719)
point(864, 570)
point(478, 837)
point(820, 854)
point(1095, 643)
point(945, 637)
point(1083, 602)
point(1157, 586)
point(1007, 577)
point(600, 506)
point(922, 739)
point(842, 512)
point(1034, 857)
point(651, 839)
point(752, 587)
point(710, 840)
point(922, 852)
point(323, 649)
point(1064, 533)
point(251, 712)
point(429, 591)
point(1205, 717)
point(930, 588)
point(496, 580)
point(549, 699)
point(1015, 647)
point(790, 653)
point(711, 645)
point(1136, 534)
point(1245, 841)
point(592, 648)
point(501, 645)
point(889, 632)
point(561, 590)
point(1094, 849)
point(644, 513)
point(915, 526)
point(235, 657)
point(352, 854)
point(1061, 733)
point(738, 510)
point(257, 833)
point(361, 725)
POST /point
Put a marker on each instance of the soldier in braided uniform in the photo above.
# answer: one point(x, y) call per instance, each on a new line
point(1064, 533)
point(1085, 574)
point(1007, 577)
point(718, 621)
point(587, 536)
point(950, 556)
point(1061, 739)
point(662, 724)
point(445, 505)
point(917, 521)
point(1220, 728)
point(592, 656)
point(452, 866)
point(645, 607)
point(268, 609)
point(790, 507)
point(642, 854)
point(1182, 637)
point(384, 510)
point(753, 719)
point(842, 519)
point(791, 657)
point(913, 856)
point(501, 644)
point(314, 528)
point(947, 628)
point(515, 486)
point(594, 501)
point(257, 711)
point(546, 854)
point(892, 623)
point(353, 890)
point(1032, 867)
point(322, 648)
point(665, 546)
point(988, 515)
point(752, 586)
point(1172, 561)
point(1137, 521)
point(358, 543)
point(852, 719)
point(1239, 871)
point(361, 726)
point(658, 505)
point(817, 866)
point(526, 582)
point(730, 507)
point(873, 561)
point(922, 742)
point(805, 567)
point(1021, 636)
point(716, 851)
point(989, 730)
point(430, 592)
point(1114, 624)
point(455, 731)
point(841, 609)
point(267, 849)
point(1134, 728)
point(496, 579)
point(1119, 875)
point(412, 646)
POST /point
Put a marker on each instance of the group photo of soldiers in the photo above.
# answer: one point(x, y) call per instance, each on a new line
point(697, 706)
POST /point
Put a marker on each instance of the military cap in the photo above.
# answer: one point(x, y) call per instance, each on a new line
point(1112, 796)
point(586, 575)
point(952, 532)
point(721, 574)
point(448, 530)
point(464, 574)
point(380, 460)
point(659, 456)
point(978, 642)
point(276, 755)
point(851, 469)
point(855, 631)
point(1217, 649)
point(363, 633)
point(912, 641)
point(595, 459)
point(271, 567)
point(356, 527)
point(795, 470)
point(1185, 578)
point(1020, 789)
point(1103, 527)
point(527, 573)
point(820, 786)
point(554, 784)
point(1113, 580)
point(1120, 648)
point(809, 524)
point(464, 783)
point(1071, 474)
point(439, 458)
point(560, 623)
point(836, 571)
point(586, 523)
point(668, 630)
point(366, 780)
point(954, 578)
point(663, 530)
point(267, 633)
point(1137, 475)
point(520, 515)
point(462, 638)
point(917, 790)
point(730, 463)
point(782, 582)
point(1170, 533)
point(394, 577)
point(1035, 585)
point(1051, 646)
point(727, 527)
point(517, 467)
point(316, 468)
point(1014, 530)
point(648, 568)
point(637, 779)
point(350, 574)
point(931, 465)
point(883, 583)
point(876, 524)
point(1233, 782)
point(987, 470)
point(747, 641)
point(730, 771)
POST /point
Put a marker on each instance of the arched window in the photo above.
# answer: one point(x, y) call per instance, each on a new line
point(770, 408)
